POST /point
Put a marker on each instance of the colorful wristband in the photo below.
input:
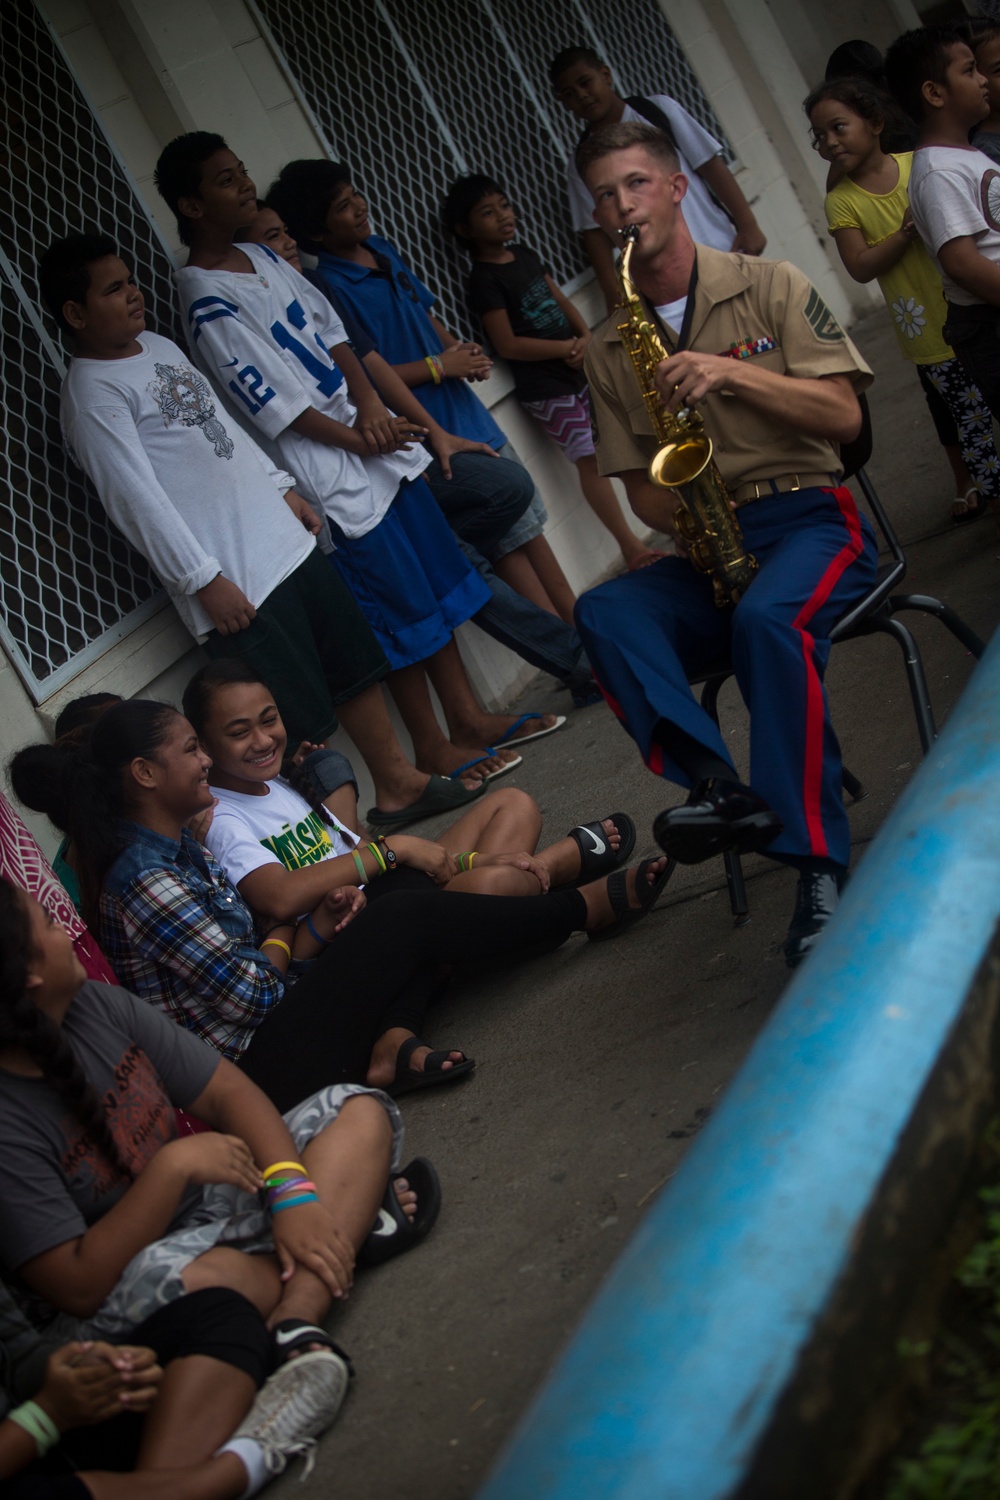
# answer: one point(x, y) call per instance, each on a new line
point(361, 866)
point(435, 366)
point(276, 943)
point(376, 853)
point(37, 1424)
point(310, 927)
point(294, 1202)
point(281, 1166)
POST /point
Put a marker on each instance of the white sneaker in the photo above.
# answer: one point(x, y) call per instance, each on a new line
point(297, 1403)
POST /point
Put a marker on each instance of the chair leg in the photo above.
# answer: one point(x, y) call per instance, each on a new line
point(916, 677)
point(852, 786)
point(739, 905)
point(943, 612)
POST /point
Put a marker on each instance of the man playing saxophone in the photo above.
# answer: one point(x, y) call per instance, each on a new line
point(764, 363)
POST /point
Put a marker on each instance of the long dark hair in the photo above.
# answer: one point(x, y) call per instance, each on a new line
point(23, 1025)
point(80, 784)
point(43, 781)
point(225, 671)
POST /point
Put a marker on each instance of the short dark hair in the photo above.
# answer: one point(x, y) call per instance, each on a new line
point(981, 31)
point(571, 55)
point(857, 59)
point(64, 270)
point(301, 195)
point(621, 137)
point(915, 58)
point(859, 95)
point(463, 195)
point(178, 172)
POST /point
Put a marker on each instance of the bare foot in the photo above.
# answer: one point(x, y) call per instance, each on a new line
point(405, 1196)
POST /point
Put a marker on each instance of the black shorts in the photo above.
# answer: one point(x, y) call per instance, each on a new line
point(312, 646)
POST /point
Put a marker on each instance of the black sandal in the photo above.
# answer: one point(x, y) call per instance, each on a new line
point(394, 1232)
point(293, 1334)
point(597, 857)
point(406, 1079)
point(647, 892)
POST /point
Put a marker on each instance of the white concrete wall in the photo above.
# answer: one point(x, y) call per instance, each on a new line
point(152, 70)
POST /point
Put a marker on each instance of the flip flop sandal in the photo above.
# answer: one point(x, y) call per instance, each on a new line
point(597, 856)
point(408, 1079)
point(618, 893)
point(441, 794)
point(522, 739)
point(393, 1232)
point(971, 512)
point(488, 754)
point(293, 1334)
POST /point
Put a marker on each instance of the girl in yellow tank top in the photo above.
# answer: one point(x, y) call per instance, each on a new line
point(868, 214)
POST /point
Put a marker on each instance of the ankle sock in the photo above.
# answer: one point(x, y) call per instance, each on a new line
point(251, 1456)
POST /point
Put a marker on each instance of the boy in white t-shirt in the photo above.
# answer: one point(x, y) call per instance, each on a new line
point(954, 190)
point(279, 356)
point(715, 208)
point(219, 523)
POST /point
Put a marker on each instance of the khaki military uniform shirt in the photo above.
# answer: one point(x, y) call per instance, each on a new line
point(772, 314)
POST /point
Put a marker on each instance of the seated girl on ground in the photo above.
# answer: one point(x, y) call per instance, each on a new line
point(284, 848)
point(117, 1218)
point(177, 932)
point(144, 1420)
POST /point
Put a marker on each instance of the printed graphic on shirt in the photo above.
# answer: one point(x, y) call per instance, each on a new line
point(989, 196)
point(821, 320)
point(140, 1117)
point(184, 396)
point(541, 310)
point(909, 315)
point(305, 844)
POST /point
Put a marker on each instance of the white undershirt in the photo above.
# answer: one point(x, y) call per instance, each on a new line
point(672, 313)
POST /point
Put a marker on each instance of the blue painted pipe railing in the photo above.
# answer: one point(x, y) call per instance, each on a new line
point(673, 1381)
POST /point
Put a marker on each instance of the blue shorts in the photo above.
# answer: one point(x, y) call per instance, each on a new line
point(530, 525)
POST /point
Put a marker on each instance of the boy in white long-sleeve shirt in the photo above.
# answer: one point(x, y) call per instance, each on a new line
point(220, 524)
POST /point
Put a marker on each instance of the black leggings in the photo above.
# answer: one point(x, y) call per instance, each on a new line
point(379, 972)
point(215, 1322)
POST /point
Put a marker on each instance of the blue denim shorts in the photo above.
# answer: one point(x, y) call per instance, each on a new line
point(527, 526)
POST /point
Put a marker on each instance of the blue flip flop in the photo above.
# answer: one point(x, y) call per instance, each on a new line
point(522, 739)
point(488, 754)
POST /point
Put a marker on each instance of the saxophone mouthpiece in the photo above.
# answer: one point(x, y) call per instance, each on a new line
point(629, 234)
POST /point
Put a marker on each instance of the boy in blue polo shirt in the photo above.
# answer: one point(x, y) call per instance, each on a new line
point(369, 278)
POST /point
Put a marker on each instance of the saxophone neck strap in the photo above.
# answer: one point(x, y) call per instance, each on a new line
point(685, 332)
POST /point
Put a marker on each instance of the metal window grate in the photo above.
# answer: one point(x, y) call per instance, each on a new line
point(411, 94)
point(69, 583)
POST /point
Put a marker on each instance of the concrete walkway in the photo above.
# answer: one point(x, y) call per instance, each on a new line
point(598, 1064)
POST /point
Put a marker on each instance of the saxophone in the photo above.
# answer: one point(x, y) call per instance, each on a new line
point(704, 517)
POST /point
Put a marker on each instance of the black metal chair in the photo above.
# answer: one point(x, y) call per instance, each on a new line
point(875, 614)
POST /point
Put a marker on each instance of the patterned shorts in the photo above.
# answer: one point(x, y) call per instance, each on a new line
point(225, 1216)
point(566, 419)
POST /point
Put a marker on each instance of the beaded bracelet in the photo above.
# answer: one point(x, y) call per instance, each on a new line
point(435, 366)
point(37, 1424)
point(294, 1202)
point(276, 943)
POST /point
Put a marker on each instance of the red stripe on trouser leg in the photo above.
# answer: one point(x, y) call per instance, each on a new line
point(812, 771)
point(654, 760)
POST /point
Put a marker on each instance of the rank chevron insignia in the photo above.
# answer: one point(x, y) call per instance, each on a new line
point(821, 320)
